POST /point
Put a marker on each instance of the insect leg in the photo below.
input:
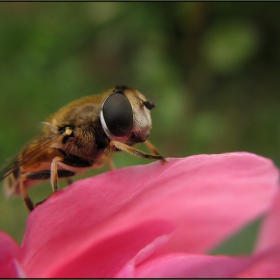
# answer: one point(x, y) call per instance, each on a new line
point(54, 175)
point(111, 164)
point(153, 149)
point(67, 164)
point(27, 200)
point(135, 152)
point(43, 175)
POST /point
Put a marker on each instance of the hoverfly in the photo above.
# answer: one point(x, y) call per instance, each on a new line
point(81, 135)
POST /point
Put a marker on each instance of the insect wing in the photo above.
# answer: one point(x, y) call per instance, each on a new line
point(34, 150)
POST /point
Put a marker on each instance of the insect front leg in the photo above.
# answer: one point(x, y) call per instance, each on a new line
point(153, 149)
point(128, 149)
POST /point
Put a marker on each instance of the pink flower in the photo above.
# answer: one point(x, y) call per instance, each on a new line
point(154, 220)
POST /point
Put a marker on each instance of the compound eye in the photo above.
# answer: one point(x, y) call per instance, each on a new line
point(118, 115)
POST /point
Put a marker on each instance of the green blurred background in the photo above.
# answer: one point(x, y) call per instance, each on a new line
point(212, 68)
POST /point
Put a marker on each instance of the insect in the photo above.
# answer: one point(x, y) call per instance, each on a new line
point(83, 134)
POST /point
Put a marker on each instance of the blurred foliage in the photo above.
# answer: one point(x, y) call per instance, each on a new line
point(212, 68)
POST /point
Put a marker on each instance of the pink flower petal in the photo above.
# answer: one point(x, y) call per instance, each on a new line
point(9, 251)
point(265, 265)
point(106, 258)
point(269, 234)
point(128, 270)
point(206, 197)
point(179, 265)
